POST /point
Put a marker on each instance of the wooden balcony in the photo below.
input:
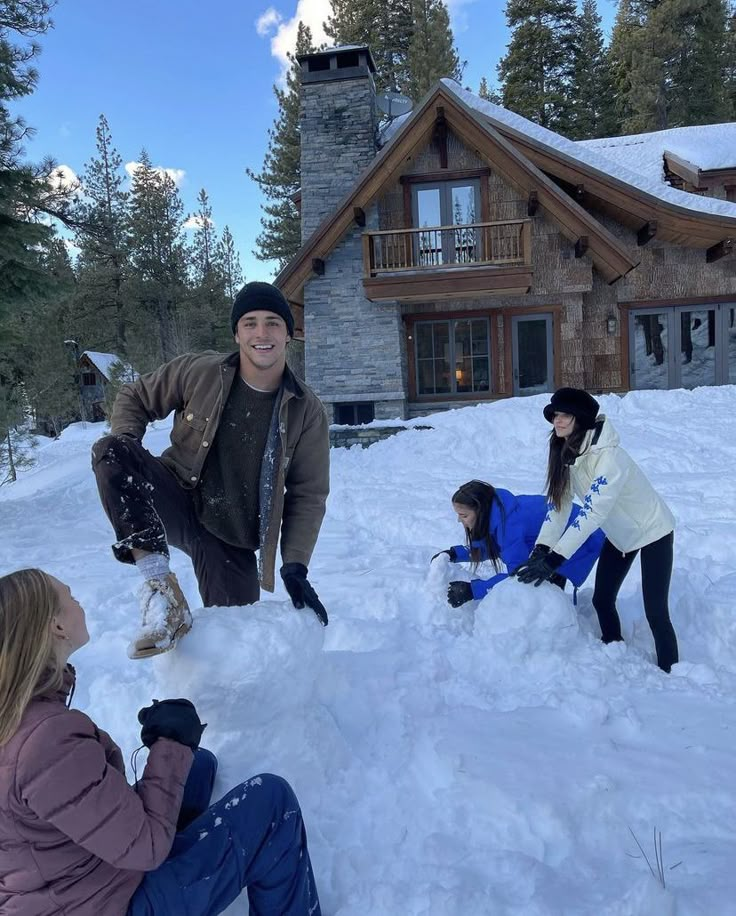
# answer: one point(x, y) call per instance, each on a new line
point(441, 262)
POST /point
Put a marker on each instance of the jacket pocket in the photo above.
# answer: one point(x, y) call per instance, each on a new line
point(188, 430)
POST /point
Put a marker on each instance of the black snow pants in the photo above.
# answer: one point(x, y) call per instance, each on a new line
point(149, 509)
point(656, 571)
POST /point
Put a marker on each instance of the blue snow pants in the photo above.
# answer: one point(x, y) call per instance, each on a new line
point(252, 838)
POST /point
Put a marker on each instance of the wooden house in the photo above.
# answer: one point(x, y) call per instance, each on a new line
point(96, 372)
point(463, 253)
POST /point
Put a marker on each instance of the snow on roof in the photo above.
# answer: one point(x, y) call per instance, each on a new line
point(105, 363)
point(710, 146)
point(590, 156)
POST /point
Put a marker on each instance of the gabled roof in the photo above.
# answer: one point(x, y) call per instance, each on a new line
point(632, 198)
point(610, 257)
point(625, 162)
point(106, 362)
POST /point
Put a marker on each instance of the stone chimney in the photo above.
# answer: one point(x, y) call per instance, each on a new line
point(338, 123)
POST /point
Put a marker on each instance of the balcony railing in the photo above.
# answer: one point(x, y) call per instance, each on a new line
point(500, 243)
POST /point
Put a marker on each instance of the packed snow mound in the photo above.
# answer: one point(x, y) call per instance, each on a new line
point(259, 662)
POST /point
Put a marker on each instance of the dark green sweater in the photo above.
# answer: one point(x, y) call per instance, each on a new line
point(227, 498)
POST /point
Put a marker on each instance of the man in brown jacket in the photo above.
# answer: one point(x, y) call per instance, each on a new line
point(249, 455)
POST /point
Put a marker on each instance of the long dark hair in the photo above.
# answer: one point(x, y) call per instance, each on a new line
point(480, 497)
point(562, 453)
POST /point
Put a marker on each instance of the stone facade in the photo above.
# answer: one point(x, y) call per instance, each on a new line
point(338, 141)
point(354, 347)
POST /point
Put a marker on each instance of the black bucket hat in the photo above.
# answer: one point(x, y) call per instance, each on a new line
point(575, 401)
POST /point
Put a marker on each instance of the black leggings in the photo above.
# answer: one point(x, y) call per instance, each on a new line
point(656, 571)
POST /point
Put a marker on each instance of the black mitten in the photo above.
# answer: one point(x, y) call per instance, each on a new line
point(174, 719)
point(459, 593)
point(300, 590)
point(451, 553)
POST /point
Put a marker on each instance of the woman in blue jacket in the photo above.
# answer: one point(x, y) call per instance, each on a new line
point(503, 528)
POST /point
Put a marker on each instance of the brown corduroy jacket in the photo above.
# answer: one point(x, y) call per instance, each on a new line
point(76, 838)
point(196, 387)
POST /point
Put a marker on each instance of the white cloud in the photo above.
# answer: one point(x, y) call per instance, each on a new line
point(64, 178)
point(268, 21)
point(459, 18)
point(312, 13)
point(196, 222)
point(176, 175)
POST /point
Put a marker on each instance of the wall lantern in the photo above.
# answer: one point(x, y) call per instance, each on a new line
point(458, 375)
point(611, 324)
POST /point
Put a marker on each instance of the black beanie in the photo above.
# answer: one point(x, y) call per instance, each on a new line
point(575, 401)
point(257, 295)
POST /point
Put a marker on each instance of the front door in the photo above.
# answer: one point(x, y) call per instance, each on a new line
point(533, 358)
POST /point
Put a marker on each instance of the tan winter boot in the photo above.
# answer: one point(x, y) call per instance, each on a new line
point(165, 617)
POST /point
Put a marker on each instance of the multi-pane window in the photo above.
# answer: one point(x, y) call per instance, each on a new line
point(683, 346)
point(89, 379)
point(453, 357)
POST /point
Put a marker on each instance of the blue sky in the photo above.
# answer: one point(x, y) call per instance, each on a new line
point(191, 81)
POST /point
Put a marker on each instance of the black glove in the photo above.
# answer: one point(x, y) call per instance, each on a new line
point(459, 593)
point(300, 590)
point(539, 569)
point(540, 550)
point(451, 553)
point(174, 719)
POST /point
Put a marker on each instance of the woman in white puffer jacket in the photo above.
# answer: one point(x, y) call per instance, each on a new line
point(586, 460)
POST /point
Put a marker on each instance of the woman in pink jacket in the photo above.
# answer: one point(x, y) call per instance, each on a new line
point(78, 840)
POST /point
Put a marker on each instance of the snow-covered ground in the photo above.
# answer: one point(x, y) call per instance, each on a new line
point(493, 759)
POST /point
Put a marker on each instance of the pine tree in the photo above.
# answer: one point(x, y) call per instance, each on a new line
point(207, 311)
point(730, 61)
point(411, 40)
point(591, 92)
point(432, 53)
point(538, 70)
point(21, 185)
point(229, 261)
point(386, 26)
point(488, 94)
point(157, 255)
point(102, 237)
point(697, 67)
point(280, 177)
point(670, 63)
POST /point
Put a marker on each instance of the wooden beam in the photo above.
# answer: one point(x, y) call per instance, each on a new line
point(441, 135)
point(647, 232)
point(359, 216)
point(446, 175)
point(581, 246)
point(532, 204)
point(683, 168)
point(716, 252)
point(318, 266)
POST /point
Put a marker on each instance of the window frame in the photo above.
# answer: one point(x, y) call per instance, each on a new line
point(453, 392)
point(673, 310)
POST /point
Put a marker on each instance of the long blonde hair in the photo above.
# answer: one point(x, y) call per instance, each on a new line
point(28, 663)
